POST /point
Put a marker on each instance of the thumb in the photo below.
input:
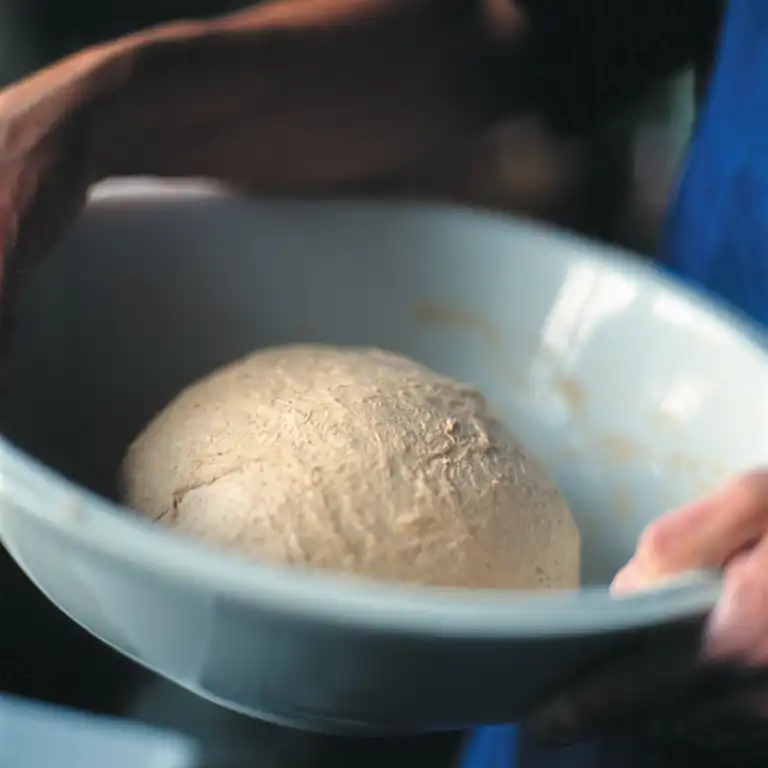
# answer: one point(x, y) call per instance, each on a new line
point(708, 533)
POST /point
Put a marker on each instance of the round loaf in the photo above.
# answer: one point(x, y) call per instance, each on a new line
point(354, 460)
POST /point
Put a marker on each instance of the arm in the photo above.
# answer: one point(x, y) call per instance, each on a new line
point(594, 56)
point(296, 96)
point(311, 95)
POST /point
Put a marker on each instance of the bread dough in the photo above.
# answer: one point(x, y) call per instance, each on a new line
point(356, 460)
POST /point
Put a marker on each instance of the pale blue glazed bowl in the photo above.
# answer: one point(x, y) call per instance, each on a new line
point(634, 392)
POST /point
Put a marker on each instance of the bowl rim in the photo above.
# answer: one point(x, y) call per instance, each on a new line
point(111, 530)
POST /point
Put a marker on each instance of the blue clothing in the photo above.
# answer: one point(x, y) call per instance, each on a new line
point(500, 746)
point(717, 231)
point(716, 238)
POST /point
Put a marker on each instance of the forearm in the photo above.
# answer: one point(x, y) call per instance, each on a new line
point(594, 56)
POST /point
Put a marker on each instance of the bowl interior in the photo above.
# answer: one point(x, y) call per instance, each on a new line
point(636, 395)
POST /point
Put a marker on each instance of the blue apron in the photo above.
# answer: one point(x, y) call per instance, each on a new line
point(716, 238)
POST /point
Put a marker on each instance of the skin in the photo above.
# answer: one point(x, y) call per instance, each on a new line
point(727, 529)
point(705, 687)
point(288, 97)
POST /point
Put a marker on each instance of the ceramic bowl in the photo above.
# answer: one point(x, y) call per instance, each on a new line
point(634, 392)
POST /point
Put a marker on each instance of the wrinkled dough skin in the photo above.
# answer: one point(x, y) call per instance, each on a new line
point(355, 460)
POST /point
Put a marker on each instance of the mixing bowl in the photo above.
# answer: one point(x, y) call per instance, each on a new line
point(635, 393)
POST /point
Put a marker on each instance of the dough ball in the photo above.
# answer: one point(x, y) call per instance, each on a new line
point(354, 460)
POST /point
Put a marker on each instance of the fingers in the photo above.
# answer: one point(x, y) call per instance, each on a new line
point(300, 96)
point(705, 534)
point(738, 627)
point(661, 686)
point(718, 531)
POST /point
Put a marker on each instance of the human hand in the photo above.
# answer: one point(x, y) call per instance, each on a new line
point(291, 96)
point(708, 686)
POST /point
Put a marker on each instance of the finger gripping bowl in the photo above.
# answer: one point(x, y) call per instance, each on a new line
point(634, 393)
